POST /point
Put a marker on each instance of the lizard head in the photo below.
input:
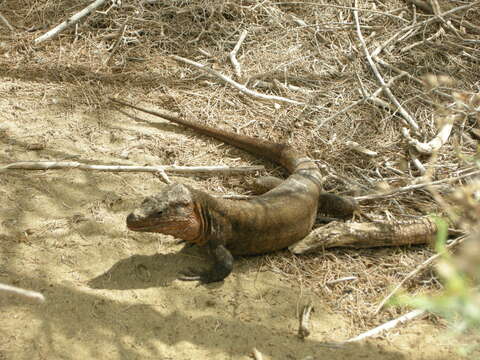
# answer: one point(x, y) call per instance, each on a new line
point(171, 212)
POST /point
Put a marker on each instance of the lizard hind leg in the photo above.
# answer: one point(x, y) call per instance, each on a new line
point(222, 267)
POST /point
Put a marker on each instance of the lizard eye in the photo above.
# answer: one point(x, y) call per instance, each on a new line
point(159, 213)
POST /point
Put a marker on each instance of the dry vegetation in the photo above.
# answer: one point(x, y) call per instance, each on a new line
point(306, 51)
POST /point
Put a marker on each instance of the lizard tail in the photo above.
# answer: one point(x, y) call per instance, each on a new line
point(281, 154)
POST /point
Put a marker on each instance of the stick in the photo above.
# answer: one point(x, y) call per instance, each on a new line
point(233, 54)
point(172, 169)
point(22, 292)
point(415, 272)
point(360, 149)
point(433, 145)
point(303, 329)
point(365, 235)
point(361, 101)
point(422, 24)
point(120, 34)
point(417, 163)
point(70, 21)
point(236, 85)
point(411, 122)
point(414, 187)
point(5, 22)
point(388, 325)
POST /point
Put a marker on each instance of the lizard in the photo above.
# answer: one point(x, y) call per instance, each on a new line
point(261, 224)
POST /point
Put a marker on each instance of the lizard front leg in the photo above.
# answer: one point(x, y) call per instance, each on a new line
point(222, 267)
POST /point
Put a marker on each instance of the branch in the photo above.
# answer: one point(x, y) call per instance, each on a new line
point(415, 272)
point(414, 187)
point(388, 325)
point(233, 54)
point(411, 122)
point(22, 292)
point(171, 169)
point(433, 145)
point(70, 21)
point(361, 101)
point(236, 85)
point(363, 235)
point(352, 145)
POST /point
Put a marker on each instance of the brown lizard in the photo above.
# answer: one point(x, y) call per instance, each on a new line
point(262, 224)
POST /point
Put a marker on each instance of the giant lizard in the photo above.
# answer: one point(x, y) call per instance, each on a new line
point(261, 224)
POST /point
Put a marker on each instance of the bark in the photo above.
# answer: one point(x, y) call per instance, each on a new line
point(364, 235)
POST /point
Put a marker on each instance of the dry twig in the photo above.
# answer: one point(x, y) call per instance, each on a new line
point(171, 169)
point(408, 118)
point(236, 85)
point(22, 292)
point(233, 54)
point(415, 187)
point(414, 272)
point(70, 21)
point(388, 325)
point(362, 235)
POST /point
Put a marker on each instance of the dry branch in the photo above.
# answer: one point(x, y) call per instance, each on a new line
point(361, 101)
point(415, 187)
point(70, 21)
point(236, 85)
point(360, 149)
point(22, 292)
point(408, 118)
point(388, 325)
point(362, 235)
point(171, 169)
point(120, 34)
point(433, 145)
point(233, 54)
point(414, 272)
point(422, 24)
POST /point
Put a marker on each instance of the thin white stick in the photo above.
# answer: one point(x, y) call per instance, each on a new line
point(172, 169)
point(70, 21)
point(360, 149)
point(233, 55)
point(236, 85)
point(411, 122)
point(22, 292)
point(414, 187)
point(415, 271)
point(388, 325)
point(5, 22)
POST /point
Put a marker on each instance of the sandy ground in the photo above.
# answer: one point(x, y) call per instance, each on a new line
point(113, 294)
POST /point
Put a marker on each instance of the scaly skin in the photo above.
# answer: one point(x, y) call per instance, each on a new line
point(269, 222)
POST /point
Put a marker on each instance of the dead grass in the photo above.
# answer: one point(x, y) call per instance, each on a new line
point(323, 59)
